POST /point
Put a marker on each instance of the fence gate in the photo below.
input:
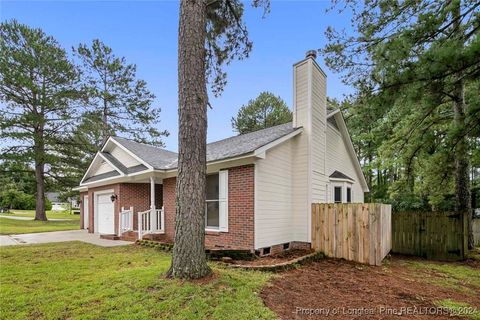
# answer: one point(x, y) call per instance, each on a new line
point(432, 235)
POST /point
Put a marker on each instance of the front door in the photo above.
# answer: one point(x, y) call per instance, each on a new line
point(86, 212)
point(105, 214)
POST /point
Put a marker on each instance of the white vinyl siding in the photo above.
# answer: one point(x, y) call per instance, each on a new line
point(318, 138)
point(123, 157)
point(338, 158)
point(274, 215)
point(301, 177)
point(102, 167)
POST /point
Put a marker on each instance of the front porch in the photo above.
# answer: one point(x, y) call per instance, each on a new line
point(143, 207)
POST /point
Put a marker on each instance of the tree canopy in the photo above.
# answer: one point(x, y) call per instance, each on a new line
point(415, 65)
point(267, 110)
point(38, 90)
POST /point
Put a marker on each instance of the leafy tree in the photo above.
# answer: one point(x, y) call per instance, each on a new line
point(38, 85)
point(417, 57)
point(122, 103)
point(211, 34)
point(267, 110)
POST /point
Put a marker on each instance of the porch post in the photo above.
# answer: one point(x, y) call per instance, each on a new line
point(153, 212)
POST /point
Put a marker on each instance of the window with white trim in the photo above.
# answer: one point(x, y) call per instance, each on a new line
point(216, 206)
point(342, 191)
point(349, 194)
point(337, 193)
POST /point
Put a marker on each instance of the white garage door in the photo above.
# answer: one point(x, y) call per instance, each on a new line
point(105, 214)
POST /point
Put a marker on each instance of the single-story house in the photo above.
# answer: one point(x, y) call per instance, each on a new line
point(260, 185)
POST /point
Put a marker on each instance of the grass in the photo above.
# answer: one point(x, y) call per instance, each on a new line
point(50, 214)
point(459, 308)
point(81, 281)
point(11, 226)
point(451, 275)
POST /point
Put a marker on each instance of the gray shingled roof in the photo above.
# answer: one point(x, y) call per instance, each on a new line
point(340, 175)
point(219, 150)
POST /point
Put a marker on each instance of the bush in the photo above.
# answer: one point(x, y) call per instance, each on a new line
point(15, 199)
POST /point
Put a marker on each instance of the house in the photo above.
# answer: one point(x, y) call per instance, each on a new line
point(57, 204)
point(260, 185)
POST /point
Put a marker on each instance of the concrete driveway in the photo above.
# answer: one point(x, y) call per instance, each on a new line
point(59, 236)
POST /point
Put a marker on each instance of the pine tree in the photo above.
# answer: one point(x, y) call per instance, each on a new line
point(38, 86)
point(123, 103)
point(266, 110)
point(211, 34)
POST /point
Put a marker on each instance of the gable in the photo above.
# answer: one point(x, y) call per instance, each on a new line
point(340, 154)
point(121, 155)
point(100, 168)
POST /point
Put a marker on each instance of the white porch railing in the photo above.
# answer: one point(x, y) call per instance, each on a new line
point(151, 221)
point(126, 220)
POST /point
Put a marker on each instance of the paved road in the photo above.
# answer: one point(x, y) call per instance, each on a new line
point(30, 218)
point(59, 236)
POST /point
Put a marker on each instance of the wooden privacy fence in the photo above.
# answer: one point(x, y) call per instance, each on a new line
point(358, 232)
point(432, 235)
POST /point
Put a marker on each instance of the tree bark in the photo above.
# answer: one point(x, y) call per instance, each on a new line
point(39, 147)
point(462, 181)
point(189, 259)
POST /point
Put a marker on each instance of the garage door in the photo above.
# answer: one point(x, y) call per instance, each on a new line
point(105, 214)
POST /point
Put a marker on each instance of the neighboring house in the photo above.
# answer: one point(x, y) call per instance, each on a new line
point(57, 204)
point(260, 185)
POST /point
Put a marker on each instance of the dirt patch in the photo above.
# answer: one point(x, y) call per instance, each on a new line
point(357, 291)
point(282, 257)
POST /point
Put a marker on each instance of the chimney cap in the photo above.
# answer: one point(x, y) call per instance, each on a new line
point(311, 54)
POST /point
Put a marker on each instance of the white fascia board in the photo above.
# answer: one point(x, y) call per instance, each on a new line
point(351, 149)
point(341, 180)
point(334, 112)
point(89, 167)
point(130, 153)
point(260, 152)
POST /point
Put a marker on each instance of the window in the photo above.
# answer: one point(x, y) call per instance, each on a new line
point(349, 194)
point(216, 215)
point(338, 194)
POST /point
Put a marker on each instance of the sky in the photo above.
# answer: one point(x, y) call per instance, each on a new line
point(145, 33)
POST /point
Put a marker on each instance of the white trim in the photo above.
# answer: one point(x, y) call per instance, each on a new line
point(110, 163)
point(331, 114)
point(95, 207)
point(260, 152)
point(346, 138)
point(86, 217)
point(89, 167)
point(342, 180)
point(309, 148)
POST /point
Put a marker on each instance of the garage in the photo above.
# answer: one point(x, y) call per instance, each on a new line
point(105, 213)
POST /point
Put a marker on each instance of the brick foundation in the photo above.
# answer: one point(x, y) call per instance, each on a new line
point(278, 248)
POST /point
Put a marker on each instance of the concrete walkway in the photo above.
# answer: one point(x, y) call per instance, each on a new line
point(60, 236)
point(30, 218)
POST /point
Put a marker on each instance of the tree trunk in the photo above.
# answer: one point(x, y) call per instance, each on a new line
point(189, 259)
point(39, 147)
point(462, 182)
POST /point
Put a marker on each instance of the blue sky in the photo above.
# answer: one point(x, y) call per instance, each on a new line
point(145, 33)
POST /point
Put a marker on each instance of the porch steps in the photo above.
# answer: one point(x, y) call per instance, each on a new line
point(109, 236)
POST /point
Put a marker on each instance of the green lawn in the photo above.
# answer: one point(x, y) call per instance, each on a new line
point(50, 214)
point(10, 226)
point(73, 280)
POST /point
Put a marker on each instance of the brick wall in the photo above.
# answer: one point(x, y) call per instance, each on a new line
point(240, 211)
point(136, 195)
